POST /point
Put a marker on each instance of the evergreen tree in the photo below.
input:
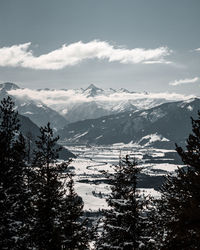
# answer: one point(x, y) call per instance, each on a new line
point(47, 191)
point(178, 211)
point(57, 207)
point(122, 225)
point(154, 232)
point(14, 215)
point(74, 231)
point(29, 139)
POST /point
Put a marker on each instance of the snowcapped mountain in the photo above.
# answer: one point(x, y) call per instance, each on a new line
point(92, 91)
point(40, 114)
point(92, 102)
point(160, 126)
point(89, 110)
point(37, 111)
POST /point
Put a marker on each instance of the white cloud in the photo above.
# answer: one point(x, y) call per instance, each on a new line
point(198, 49)
point(183, 81)
point(72, 54)
point(50, 97)
point(14, 55)
point(64, 100)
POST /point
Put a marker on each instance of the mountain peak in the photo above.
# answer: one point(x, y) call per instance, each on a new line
point(123, 90)
point(92, 90)
point(92, 86)
point(8, 86)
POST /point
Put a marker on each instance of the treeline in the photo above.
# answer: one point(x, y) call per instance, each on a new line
point(40, 210)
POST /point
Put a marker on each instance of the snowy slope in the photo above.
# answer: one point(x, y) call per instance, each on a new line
point(159, 126)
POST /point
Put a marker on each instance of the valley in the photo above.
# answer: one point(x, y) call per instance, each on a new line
point(92, 160)
point(98, 126)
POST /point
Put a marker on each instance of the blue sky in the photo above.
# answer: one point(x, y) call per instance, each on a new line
point(138, 44)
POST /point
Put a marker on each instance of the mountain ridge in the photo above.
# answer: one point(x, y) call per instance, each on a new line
point(93, 102)
point(163, 120)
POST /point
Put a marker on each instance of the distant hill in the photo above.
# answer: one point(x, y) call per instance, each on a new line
point(27, 126)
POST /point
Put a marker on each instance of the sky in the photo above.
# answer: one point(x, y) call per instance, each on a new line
point(141, 45)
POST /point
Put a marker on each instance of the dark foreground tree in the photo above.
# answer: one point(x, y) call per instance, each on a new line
point(47, 192)
point(14, 193)
point(57, 206)
point(178, 211)
point(37, 210)
point(74, 231)
point(122, 224)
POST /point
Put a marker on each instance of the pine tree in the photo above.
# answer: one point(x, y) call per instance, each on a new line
point(14, 194)
point(74, 231)
point(122, 227)
point(178, 211)
point(47, 191)
point(155, 224)
point(29, 139)
point(57, 207)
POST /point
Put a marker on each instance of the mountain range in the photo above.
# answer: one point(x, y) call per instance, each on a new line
point(161, 126)
point(107, 116)
point(73, 105)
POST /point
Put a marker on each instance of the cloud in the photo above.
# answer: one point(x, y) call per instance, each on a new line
point(15, 55)
point(51, 97)
point(64, 100)
point(198, 49)
point(183, 81)
point(72, 54)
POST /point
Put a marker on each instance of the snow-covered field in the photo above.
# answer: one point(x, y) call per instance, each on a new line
point(91, 161)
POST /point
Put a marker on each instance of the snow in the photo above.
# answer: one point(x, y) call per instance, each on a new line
point(156, 115)
point(80, 135)
point(28, 113)
point(64, 111)
point(153, 138)
point(23, 104)
point(190, 108)
point(189, 100)
point(91, 161)
point(91, 203)
point(150, 192)
point(166, 167)
point(90, 170)
point(99, 137)
point(159, 169)
point(40, 105)
point(144, 114)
